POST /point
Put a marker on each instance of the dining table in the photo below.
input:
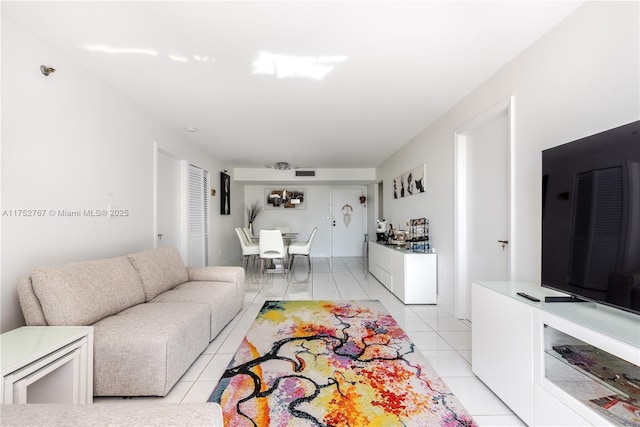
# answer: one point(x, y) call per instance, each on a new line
point(287, 238)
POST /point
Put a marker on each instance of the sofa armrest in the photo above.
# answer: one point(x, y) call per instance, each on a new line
point(217, 274)
point(31, 308)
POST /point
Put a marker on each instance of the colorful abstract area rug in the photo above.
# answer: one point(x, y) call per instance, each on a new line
point(332, 363)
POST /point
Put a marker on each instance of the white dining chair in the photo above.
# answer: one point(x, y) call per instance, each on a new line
point(248, 234)
point(302, 248)
point(271, 248)
point(249, 249)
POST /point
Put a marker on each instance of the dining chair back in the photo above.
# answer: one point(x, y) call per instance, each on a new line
point(271, 248)
point(248, 234)
point(249, 249)
point(302, 248)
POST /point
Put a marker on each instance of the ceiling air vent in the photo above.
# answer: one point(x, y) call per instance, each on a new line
point(305, 173)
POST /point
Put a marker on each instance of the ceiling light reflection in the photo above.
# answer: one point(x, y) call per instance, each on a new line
point(114, 50)
point(202, 59)
point(178, 58)
point(329, 59)
point(284, 66)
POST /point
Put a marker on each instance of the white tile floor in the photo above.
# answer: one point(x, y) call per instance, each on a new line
point(444, 340)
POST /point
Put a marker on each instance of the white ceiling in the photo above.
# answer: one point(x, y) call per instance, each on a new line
point(191, 64)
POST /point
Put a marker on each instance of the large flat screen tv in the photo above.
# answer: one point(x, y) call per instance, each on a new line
point(591, 218)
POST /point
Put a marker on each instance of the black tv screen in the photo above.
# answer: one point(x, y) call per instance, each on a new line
point(591, 218)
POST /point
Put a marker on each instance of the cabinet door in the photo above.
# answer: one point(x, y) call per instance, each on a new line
point(502, 342)
point(421, 279)
point(377, 263)
point(398, 272)
point(551, 412)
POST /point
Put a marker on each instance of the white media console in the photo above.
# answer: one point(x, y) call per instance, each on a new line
point(545, 360)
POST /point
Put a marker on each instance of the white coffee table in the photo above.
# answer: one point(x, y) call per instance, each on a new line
point(47, 364)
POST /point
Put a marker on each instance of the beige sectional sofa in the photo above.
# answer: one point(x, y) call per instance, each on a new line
point(121, 414)
point(152, 316)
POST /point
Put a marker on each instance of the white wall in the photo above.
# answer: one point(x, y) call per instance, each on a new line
point(69, 141)
point(316, 214)
point(579, 79)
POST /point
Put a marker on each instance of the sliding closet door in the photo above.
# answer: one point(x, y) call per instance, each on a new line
point(198, 216)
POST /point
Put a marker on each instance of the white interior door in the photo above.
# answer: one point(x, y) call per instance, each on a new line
point(168, 205)
point(488, 190)
point(483, 204)
point(347, 224)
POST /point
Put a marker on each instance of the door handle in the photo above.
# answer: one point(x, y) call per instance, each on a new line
point(504, 243)
point(160, 236)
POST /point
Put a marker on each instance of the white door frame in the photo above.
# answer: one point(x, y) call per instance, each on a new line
point(184, 247)
point(460, 152)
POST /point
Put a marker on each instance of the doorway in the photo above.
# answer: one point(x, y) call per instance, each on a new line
point(347, 222)
point(483, 202)
point(169, 207)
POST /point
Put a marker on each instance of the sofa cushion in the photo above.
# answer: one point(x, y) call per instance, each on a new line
point(218, 273)
point(159, 269)
point(85, 292)
point(144, 350)
point(224, 299)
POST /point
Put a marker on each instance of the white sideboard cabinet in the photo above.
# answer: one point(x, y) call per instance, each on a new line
point(532, 355)
point(47, 364)
point(411, 276)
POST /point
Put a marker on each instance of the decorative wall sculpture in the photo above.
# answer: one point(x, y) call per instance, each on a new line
point(285, 199)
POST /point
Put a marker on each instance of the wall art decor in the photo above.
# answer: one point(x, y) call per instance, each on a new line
point(225, 194)
point(283, 198)
point(409, 183)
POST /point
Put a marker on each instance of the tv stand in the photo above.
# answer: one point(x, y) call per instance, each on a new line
point(526, 353)
point(563, 299)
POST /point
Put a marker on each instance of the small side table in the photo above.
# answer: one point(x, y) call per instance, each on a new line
point(47, 364)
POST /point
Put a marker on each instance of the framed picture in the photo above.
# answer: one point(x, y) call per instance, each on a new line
point(409, 183)
point(225, 196)
point(282, 198)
